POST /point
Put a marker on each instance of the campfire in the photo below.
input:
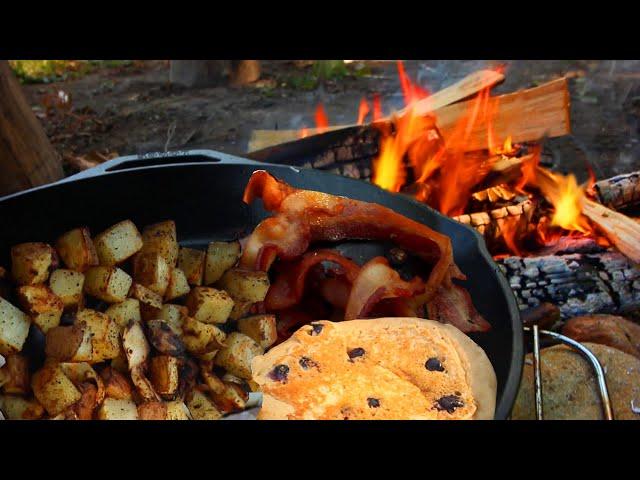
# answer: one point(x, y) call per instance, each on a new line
point(480, 161)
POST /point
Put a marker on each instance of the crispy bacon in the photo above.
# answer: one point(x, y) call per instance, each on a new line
point(288, 288)
point(453, 305)
point(305, 216)
point(375, 282)
point(336, 290)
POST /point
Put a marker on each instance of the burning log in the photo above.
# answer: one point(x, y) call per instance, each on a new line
point(514, 220)
point(620, 192)
point(579, 284)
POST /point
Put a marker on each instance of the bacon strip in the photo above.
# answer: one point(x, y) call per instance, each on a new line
point(378, 281)
point(305, 216)
point(453, 305)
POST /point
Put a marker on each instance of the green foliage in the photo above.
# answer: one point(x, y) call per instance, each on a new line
point(325, 70)
point(45, 71)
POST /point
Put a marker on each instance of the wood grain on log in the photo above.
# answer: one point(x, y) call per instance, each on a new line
point(492, 224)
point(619, 192)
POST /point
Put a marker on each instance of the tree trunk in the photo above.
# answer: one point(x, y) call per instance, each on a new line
point(211, 73)
point(27, 158)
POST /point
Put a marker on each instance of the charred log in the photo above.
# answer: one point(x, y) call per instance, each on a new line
point(620, 192)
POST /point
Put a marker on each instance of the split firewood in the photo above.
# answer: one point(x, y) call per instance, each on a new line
point(619, 192)
point(493, 224)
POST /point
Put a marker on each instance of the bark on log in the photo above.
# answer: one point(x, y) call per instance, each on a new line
point(620, 192)
point(27, 158)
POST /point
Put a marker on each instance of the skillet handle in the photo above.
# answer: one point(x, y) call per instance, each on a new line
point(152, 160)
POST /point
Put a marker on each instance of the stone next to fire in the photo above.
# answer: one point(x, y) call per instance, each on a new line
point(569, 385)
point(610, 330)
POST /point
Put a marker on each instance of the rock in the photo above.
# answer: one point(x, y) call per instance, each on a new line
point(569, 385)
point(611, 330)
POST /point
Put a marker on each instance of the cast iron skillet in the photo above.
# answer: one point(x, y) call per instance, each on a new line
point(202, 190)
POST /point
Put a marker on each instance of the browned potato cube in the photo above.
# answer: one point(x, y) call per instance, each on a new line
point(240, 310)
point(200, 407)
point(105, 335)
point(116, 409)
point(116, 385)
point(18, 408)
point(152, 271)
point(245, 285)
point(232, 399)
point(152, 411)
point(68, 286)
point(109, 284)
point(191, 262)
point(209, 305)
point(163, 373)
point(122, 313)
point(42, 305)
point(31, 262)
point(77, 250)
point(221, 256)
point(178, 285)
point(237, 355)
point(261, 328)
point(118, 243)
point(69, 343)
point(161, 238)
point(53, 389)
point(201, 338)
point(211, 380)
point(173, 315)
point(177, 410)
point(14, 328)
point(146, 296)
point(16, 373)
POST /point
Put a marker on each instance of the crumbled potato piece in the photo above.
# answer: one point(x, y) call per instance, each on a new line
point(161, 238)
point(201, 338)
point(191, 262)
point(150, 302)
point(200, 407)
point(118, 243)
point(152, 271)
point(245, 285)
point(163, 373)
point(221, 256)
point(209, 305)
point(154, 410)
point(124, 312)
point(117, 409)
point(237, 355)
point(109, 284)
point(14, 328)
point(19, 408)
point(76, 249)
point(16, 375)
point(42, 305)
point(53, 389)
point(31, 262)
point(261, 328)
point(68, 286)
point(178, 285)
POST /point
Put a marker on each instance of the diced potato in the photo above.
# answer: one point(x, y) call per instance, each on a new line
point(69, 343)
point(105, 335)
point(200, 407)
point(237, 355)
point(31, 262)
point(163, 373)
point(164, 340)
point(16, 375)
point(233, 399)
point(53, 389)
point(161, 238)
point(240, 310)
point(152, 410)
point(118, 243)
point(178, 285)
point(116, 385)
point(177, 410)
point(42, 305)
point(245, 285)
point(77, 250)
point(150, 302)
point(201, 338)
point(118, 409)
point(209, 356)
point(221, 256)
point(122, 313)
point(109, 284)
point(14, 328)
point(18, 408)
point(209, 305)
point(120, 363)
point(152, 271)
point(68, 286)
point(173, 315)
point(191, 262)
point(261, 328)
point(210, 379)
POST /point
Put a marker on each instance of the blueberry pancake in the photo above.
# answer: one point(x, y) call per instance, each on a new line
point(379, 369)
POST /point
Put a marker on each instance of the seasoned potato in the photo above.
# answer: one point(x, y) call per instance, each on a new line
point(53, 389)
point(164, 339)
point(245, 285)
point(177, 410)
point(118, 409)
point(211, 380)
point(109, 284)
point(122, 313)
point(31, 262)
point(77, 250)
point(236, 356)
point(120, 363)
point(14, 328)
point(42, 305)
point(178, 285)
point(150, 302)
point(118, 243)
point(154, 410)
point(261, 328)
point(191, 262)
point(232, 399)
point(173, 315)
point(152, 271)
point(116, 385)
point(105, 335)
point(209, 305)
point(201, 338)
point(16, 375)
point(240, 310)
point(221, 256)
point(19, 408)
point(161, 238)
point(69, 343)
point(163, 373)
point(200, 407)
point(68, 286)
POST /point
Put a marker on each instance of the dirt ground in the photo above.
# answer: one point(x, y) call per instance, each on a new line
point(135, 109)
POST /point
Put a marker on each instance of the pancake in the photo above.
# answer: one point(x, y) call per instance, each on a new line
point(376, 369)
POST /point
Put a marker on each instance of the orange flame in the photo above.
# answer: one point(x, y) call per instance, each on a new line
point(377, 107)
point(304, 132)
point(363, 111)
point(322, 121)
point(410, 91)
